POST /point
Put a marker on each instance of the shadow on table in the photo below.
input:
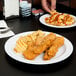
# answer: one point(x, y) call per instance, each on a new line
point(40, 69)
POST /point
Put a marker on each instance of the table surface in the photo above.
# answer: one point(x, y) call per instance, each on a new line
point(10, 67)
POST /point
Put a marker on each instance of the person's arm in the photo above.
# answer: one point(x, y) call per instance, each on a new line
point(45, 5)
point(52, 7)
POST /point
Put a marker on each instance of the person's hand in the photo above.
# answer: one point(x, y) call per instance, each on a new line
point(53, 11)
point(52, 8)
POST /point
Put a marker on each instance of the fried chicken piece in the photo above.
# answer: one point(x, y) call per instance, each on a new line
point(51, 52)
point(29, 54)
point(34, 51)
point(46, 42)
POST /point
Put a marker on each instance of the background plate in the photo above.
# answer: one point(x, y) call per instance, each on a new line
point(42, 20)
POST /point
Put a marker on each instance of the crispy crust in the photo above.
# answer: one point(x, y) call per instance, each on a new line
point(36, 43)
point(34, 51)
point(25, 41)
point(51, 52)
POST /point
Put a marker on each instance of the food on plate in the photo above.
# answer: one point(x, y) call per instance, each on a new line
point(38, 42)
point(35, 50)
point(60, 19)
point(24, 41)
point(52, 12)
point(20, 45)
point(51, 52)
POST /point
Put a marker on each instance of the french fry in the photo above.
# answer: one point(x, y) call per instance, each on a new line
point(59, 19)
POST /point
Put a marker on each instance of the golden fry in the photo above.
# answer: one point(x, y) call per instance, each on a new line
point(60, 19)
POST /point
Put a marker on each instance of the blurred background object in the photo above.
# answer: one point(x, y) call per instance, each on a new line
point(1, 9)
point(25, 8)
point(68, 3)
point(10, 8)
point(1, 5)
point(65, 2)
point(73, 4)
point(36, 3)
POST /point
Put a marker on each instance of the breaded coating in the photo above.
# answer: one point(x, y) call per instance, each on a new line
point(51, 52)
point(34, 51)
point(25, 41)
point(34, 44)
point(46, 42)
point(29, 54)
point(35, 35)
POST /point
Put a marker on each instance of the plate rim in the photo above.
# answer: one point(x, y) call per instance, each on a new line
point(28, 61)
point(73, 25)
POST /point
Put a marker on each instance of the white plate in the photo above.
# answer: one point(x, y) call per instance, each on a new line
point(64, 52)
point(42, 20)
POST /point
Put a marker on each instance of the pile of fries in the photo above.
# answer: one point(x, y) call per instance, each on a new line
point(60, 19)
point(39, 42)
